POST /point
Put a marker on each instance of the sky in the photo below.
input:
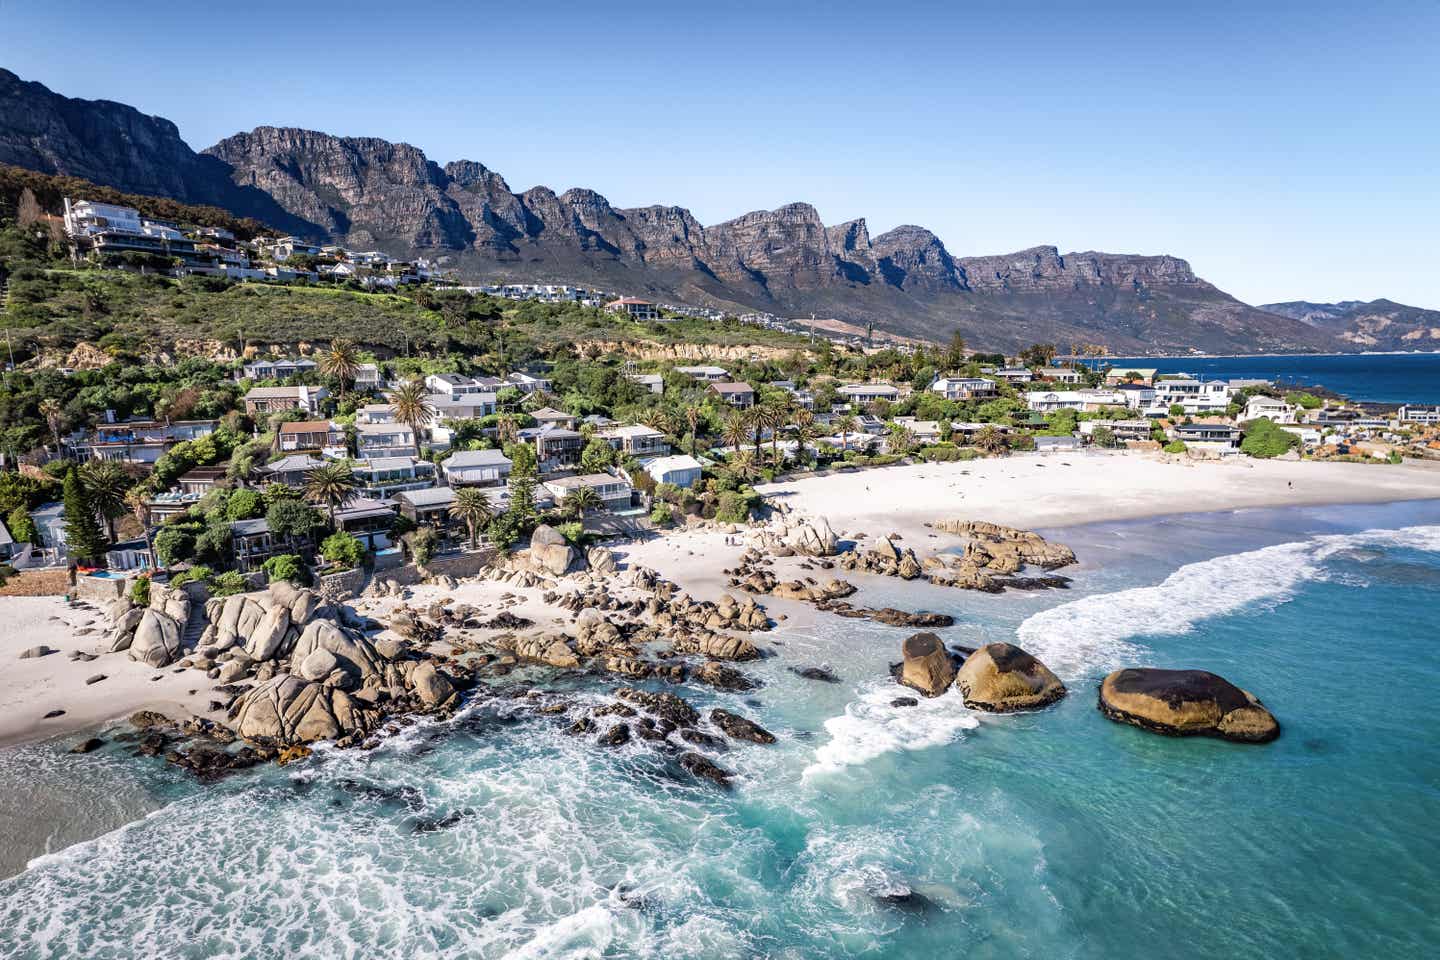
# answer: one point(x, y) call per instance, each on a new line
point(1287, 150)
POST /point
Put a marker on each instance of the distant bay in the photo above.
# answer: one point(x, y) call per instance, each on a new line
point(1373, 377)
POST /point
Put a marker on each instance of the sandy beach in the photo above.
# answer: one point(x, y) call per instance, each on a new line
point(1025, 491)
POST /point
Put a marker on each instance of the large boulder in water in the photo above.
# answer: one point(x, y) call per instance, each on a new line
point(926, 666)
point(1000, 678)
point(1183, 703)
point(289, 710)
point(550, 552)
point(157, 639)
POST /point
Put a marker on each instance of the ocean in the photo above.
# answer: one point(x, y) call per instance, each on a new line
point(1374, 377)
point(1057, 834)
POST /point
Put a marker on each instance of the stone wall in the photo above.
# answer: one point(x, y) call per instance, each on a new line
point(335, 586)
point(459, 565)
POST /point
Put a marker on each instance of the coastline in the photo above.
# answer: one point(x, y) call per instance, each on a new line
point(1029, 491)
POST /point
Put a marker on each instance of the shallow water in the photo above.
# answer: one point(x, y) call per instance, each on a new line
point(1056, 834)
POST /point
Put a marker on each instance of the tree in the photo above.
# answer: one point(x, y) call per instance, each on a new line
point(244, 505)
point(1103, 437)
point(735, 431)
point(692, 417)
point(473, 507)
point(83, 538)
point(774, 417)
point(175, 542)
point(22, 528)
point(341, 361)
point(343, 549)
point(955, 353)
point(412, 407)
point(846, 425)
point(291, 520)
point(288, 567)
point(804, 431)
point(1176, 411)
point(54, 416)
point(106, 484)
point(583, 498)
point(1038, 355)
point(990, 441)
point(1263, 439)
point(332, 486)
point(598, 456)
point(902, 439)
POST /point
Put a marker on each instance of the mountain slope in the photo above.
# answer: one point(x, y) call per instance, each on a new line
point(1376, 325)
point(366, 192)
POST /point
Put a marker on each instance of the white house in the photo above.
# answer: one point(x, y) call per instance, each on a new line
point(964, 388)
point(681, 470)
point(1045, 401)
point(869, 392)
point(1196, 396)
point(637, 440)
point(706, 373)
point(614, 491)
point(1278, 411)
point(383, 440)
point(653, 382)
point(476, 468)
point(1060, 374)
point(383, 477)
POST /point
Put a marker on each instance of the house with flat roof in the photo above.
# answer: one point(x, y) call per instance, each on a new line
point(1060, 375)
point(549, 416)
point(383, 440)
point(279, 369)
point(290, 470)
point(615, 492)
point(367, 376)
point(264, 400)
point(739, 395)
point(708, 374)
point(964, 388)
point(634, 308)
point(636, 439)
point(457, 386)
point(653, 382)
point(863, 393)
point(476, 468)
point(383, 477)
point(1089, 401)
point(1215, 435)
point(369, 521)
point(376, 413)
point(1277, 411)
point(1119, 375)
point(528, 383)
point(556, 447)
point(1013, 374)
point(681, 470)
point(252, 543)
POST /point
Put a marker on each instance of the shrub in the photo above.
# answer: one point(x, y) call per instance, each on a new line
point(244, 505)
point(661, 516)
point(734, 507)
point(573, 531)
point(504, 530)
point(1175, 446)
point(343, 549)
point(1263, 439)
point(228, 583)
point(289, 567)
point(176, 542)
point(422, 543)
point(22, 528)
point(140, 592)
point(292, 518)
point(195, 574)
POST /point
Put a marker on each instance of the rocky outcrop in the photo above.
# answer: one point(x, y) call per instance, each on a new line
point(600, 560)
point(1184, 703)
point(550, 553)
point(1006, 549)
point(1002, 678)
point(157, 639)
point(288, 709)
point(926, 665)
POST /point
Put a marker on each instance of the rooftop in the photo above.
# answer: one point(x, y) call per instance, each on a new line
point(476, 458)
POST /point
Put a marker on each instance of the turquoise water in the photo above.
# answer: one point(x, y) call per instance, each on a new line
point(1377, 377)
point(1056, 834)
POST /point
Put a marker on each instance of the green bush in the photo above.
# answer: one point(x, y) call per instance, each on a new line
point(1263, 439)
point(342, 548)
point(288, 567)
point(1175, 446)
point(140, 592)
point(228, 583)
point(573, 531)
point(422, 542)
point(196, 574)
point(22, 528)
point(175, 542)
point(245, 505)
point(661, 516)
point(1306, 400)
point(734, 507)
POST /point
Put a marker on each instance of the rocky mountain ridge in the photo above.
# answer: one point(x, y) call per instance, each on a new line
point(1373, 325)
point(367, 192)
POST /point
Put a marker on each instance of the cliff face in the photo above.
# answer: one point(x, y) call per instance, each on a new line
point(365, 192)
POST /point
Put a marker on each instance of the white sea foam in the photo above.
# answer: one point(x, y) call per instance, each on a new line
point(1095, 633)
point(870, 727)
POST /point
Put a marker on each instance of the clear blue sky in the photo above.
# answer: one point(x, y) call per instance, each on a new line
point(1288, 150)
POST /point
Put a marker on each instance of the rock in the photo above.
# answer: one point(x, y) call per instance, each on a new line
point(550, 552)
point(617, 735)
point(289, 755)
point(705, 769)
point(813, 539)
point(90, 681)
point(1000, 678)
point(737, 727)
point(36, 652)
point(601, 561)
point(303, 607)
point(551, 650)
point(432, 686)
point(899, 618)
point(1185, 703)
point(926, 665)
point(904, 702)
point(233, 670)
point(352, 651)
point(884, 550)
point(53, 714)
point(287, 709)
point(717, 645)
point(157, 639)
point(722, 677)
point(909, 567)
point(666, 706)
point(268, 637)
point(123, 633)
point(88, 746)
point(318, 664)
point(815, 673)
point(145, 719)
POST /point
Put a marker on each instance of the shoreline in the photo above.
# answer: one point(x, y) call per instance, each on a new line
point(1031, 491)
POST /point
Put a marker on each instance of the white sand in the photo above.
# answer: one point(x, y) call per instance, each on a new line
point(1025, 491)
point(1057, 490)
point(31, 688)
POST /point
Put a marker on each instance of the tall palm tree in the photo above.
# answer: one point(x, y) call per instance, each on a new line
point(583, 498)
point(341, 361)
point(107, 484)
point(742, 462)
point(413, 407)
point(735, 431)
point(506, 431)
point(692, 417)
point(755, 419)
point(54, 416)
point(331, 485)
point(804, 431)
point(657, 418)
point(776, 415)
point(473, 507)
point(846, 425)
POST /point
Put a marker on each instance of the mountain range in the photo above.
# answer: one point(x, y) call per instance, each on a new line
point(370, 193)
point(1373, 325)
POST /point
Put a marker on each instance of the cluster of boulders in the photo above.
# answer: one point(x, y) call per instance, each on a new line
point(795, 537)
point(885, 558)
point(1007, 549)
point(996, 678)
point(151, 634)
point(1184, 703)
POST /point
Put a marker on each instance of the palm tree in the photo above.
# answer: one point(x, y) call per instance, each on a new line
point(804, 431)
point(692, 416)
point(54, 416)
point(735, 431)
point(472, 506)
point(659, 419)
point(776, 414)
point(902, 439)
point(755, 419)
point(331, 485)
point(990, 441)
point(107, 484)
point(846, 425)
point(341, 361)
point(583, 498)
point(413, 407)
point(506, 431)
point(742, 462)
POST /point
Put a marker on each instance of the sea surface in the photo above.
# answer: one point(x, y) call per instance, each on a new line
point(1056, 834)
point(1374, 377)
